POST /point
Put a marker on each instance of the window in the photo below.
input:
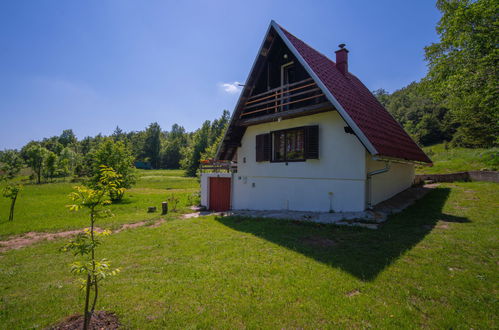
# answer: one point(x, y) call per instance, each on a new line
point(289, 145)
point(295, 144)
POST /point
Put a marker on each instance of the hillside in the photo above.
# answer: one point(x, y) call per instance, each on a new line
point(459, 159)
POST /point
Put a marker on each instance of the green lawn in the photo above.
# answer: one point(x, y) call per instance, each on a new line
point(433, 265)
point(42, 207)
point(453, 160)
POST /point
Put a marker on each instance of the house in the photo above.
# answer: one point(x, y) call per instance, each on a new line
point(307, 135)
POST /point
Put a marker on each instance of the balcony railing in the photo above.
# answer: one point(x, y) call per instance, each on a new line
point(283, 98)
point(217, 166)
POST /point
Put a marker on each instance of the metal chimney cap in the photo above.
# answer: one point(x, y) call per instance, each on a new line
point(341, 46)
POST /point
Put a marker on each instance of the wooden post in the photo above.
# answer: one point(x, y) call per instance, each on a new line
point(164, 208)
point(275, 110)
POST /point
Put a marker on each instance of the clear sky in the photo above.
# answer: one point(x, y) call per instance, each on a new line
point(93, 65)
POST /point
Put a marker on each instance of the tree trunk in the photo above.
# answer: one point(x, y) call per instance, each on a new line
point(12, 204)
point(86, 314)
point(39, 175)
point(96, 294)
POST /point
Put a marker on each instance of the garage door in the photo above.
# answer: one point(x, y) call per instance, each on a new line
point(219, 194)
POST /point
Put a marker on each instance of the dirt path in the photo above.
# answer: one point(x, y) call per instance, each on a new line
point(20, 241)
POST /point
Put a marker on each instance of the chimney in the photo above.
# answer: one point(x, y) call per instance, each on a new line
point(342, 59)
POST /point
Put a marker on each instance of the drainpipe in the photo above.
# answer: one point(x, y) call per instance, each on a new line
point(369, 182)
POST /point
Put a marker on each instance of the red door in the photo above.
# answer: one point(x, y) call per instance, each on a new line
point(219, 194)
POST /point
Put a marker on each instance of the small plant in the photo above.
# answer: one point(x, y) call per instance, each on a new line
point(83, 245)
point(173, 201)
point(193, 199)
point(12, 191)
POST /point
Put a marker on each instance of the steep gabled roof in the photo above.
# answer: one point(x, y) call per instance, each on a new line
point(378, 131)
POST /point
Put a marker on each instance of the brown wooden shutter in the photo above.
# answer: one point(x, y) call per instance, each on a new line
point(263, 147)
point(312, 142)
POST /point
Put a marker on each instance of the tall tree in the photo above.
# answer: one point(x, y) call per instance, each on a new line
point(35, 155)
point(67, 138)
point(10, 163)
point(152, 145)
point(118, 134)
point(192, 153)
point(50, 164)
point(117, 156)
point(464, 69)
point(171, 150)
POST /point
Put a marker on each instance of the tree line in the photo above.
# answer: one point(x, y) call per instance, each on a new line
point(457, 101)
point(65, 155)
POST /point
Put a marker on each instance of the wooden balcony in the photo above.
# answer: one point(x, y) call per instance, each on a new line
point(288, 98)
point(217, 166)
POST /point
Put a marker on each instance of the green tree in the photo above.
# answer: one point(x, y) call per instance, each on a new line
point(11, 163)
point(117, 156)
point(50, 162)
point(84, 245)
point(152, 144)
point(67, 138)
point(118, 134)
point(35, 155)
point(192, 153)
point(218, 127)
point(52, 144)
point(463, 69)
point(171, 151)
point(423, 118)
point(383, 96)
point(68, 162)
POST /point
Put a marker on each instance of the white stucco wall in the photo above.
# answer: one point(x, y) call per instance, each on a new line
point(205, 186)
point(303, 186)
point(385, 185)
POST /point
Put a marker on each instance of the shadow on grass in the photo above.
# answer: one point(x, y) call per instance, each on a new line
point(364, 253)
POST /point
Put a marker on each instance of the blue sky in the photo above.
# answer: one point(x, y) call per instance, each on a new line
point(93, 65)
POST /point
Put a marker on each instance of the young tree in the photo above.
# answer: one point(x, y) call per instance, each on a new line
point(10, 163)
point(152, 145)
point(464, 69)
point(119, 157)
point(11, 191)
point(35, 156)
point(84, 245)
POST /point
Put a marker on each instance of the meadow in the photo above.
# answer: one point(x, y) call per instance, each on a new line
point(43, 207)
point(433, 265)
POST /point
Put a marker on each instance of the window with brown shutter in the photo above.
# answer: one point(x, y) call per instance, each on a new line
point(296, 144)
point(312, 142)
point(263, 147)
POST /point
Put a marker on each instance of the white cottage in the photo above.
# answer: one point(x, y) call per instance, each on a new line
point(307, 135)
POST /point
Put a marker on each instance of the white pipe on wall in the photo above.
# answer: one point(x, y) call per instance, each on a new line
point(369, 182)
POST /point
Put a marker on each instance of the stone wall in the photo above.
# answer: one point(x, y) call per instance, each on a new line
point(488, 176)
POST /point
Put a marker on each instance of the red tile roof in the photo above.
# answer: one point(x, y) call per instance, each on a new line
point(380, 128)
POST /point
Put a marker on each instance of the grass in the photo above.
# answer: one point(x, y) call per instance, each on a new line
point(459, 159)
point(43, 207)
point(433, 265)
